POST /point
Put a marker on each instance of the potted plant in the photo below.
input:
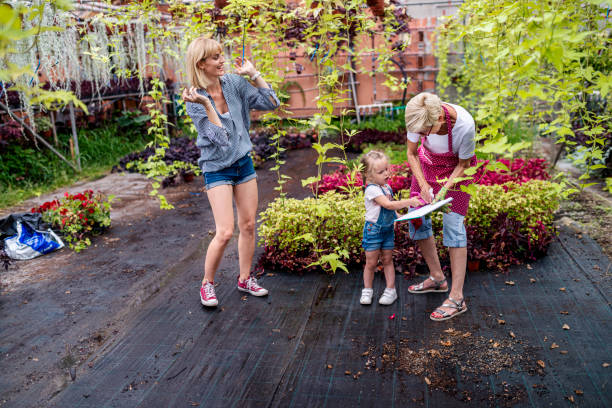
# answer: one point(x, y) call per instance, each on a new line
point(187, 176)
point(475, 251)
point(44, 127)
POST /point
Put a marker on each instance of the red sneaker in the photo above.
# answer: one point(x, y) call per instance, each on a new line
point(207, 294)
point(250, 285)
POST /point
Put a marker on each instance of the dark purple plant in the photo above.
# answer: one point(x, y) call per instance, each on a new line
point(366, 136)
point(5, 261)
point(503, 244)
point(263, 147)
point(180, 149)
point(10, 132)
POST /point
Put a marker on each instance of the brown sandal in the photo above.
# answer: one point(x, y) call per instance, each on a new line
point(435, 288)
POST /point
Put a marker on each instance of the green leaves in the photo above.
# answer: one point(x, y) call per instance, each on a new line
point(310, 180)
point(531, 62)
point(328, 227)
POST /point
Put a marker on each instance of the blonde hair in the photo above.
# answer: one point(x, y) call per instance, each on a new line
point(422, 111)
point(199, 49)
point(368, 159)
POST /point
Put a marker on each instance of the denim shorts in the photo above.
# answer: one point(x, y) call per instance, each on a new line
point(240, 172)
point(453, 230)
point(375, 237)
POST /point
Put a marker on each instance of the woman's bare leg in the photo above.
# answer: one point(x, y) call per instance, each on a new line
point(246, 203)
point(458, 259)
point(430, 253)
point(220, 199)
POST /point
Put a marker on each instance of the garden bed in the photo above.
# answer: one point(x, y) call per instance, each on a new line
point(509, 222)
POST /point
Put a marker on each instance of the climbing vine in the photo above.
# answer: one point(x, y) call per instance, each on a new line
point(533, 62)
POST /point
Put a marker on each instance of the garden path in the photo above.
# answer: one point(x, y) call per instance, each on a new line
point(56, 310)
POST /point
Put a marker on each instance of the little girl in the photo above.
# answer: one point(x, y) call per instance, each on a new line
point(378, 235)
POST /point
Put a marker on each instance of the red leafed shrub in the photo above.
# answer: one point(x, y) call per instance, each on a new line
point(277, 258)
point(504, 244)
point(340, 179)
point(521, 170)
point(10, 132)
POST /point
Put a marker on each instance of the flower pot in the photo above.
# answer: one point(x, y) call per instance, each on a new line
point(473, 265)
point(377, 7)
point(188, 177)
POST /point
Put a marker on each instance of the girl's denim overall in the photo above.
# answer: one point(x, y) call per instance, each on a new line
point(380, 235)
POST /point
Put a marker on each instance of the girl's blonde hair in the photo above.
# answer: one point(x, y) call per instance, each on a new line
point(199, 49)
point(422, 111)
point(367, 162)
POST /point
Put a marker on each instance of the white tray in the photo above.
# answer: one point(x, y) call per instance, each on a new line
point(426, 209)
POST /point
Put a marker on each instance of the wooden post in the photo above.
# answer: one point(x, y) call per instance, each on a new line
point(352, 88)
point(165, 110)
point(52, 115)
point(75, 138)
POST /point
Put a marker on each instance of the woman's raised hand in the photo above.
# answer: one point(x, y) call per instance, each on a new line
point(191, 95)
point(245, 67)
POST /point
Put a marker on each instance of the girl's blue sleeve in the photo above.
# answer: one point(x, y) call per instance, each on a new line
point(206, 129)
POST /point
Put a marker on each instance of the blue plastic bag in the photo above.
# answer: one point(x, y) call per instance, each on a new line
point(29, 243)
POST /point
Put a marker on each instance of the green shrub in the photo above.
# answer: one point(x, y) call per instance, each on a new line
point(380, 122)
point(395, 151)
point(331, 224)
point(529, 203)
point(297, 234)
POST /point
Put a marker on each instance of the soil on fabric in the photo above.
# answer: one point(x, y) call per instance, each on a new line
point(464, 356)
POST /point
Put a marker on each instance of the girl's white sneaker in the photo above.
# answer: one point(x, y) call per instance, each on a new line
point(366, 296)
point(388, 297)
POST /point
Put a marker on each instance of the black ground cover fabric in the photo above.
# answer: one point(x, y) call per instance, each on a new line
point(311, 344)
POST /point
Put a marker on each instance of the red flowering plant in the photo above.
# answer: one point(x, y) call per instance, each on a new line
point(341, 179)
point(77, 216)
